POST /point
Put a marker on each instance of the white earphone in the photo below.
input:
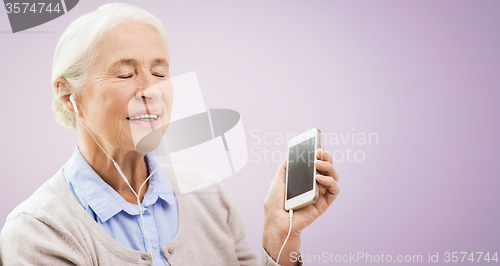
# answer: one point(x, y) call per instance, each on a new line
point(72, 100)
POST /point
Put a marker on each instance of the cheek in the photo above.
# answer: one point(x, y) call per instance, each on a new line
point(109, 90)
point(168, 100)
point(168, 94)
point(110, 103)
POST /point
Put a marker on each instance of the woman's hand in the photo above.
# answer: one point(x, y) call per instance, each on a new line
point(277, 223)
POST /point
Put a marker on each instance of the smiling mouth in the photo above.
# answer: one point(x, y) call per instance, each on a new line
point(144, 118)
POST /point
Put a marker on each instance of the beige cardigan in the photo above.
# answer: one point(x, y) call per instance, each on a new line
point(52, 228)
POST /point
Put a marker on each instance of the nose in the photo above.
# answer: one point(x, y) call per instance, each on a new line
point(148, 89)
point(151, 93)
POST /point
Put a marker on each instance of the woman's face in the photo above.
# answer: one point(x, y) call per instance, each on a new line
point(127, 98)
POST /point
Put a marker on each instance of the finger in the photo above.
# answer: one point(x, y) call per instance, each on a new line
point(283, 163)
point(335, 175)
point(329, 183)
point(331, 187)
point(325, 168)
point(324, 155)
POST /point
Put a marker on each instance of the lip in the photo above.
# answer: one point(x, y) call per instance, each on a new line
point(147, 111)
point(153, 124)
point(151, 111)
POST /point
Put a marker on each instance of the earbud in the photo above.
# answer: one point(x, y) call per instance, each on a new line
point(72, 100)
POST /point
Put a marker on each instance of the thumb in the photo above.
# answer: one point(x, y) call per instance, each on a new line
point(281, 173)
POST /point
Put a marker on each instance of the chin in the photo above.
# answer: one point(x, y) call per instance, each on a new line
point(150, 141)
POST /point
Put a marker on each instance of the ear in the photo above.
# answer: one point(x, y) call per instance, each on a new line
point(64, 90)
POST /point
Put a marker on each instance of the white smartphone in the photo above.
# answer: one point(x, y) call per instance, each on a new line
point(301, 186)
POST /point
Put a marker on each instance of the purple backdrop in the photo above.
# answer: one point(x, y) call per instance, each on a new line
point(418, 79)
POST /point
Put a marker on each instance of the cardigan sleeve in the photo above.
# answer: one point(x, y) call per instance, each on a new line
point(245, 255)
point(242, 247)
point(25, 240)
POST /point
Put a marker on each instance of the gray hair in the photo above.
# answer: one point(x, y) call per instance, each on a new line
point(75, 49)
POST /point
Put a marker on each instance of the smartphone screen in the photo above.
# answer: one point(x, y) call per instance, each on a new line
point(301, 169)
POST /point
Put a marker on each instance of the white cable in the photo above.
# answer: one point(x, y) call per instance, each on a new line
point(137, 195)
point(290, 215)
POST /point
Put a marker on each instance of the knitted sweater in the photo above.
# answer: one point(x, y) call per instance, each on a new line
point(52, 228)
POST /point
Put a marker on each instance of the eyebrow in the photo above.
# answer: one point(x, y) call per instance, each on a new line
point(132, 61)
point(112, 65)
point(159, 61)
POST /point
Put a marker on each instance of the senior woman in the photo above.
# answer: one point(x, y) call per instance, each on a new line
point(111, 68)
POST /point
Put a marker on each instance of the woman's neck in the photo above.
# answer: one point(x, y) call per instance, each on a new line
point(131, 163)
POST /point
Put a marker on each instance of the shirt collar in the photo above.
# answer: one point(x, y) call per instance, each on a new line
point(103, 199)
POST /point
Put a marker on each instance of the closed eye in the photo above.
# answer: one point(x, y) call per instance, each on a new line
point(158, 75)
point(129, 75)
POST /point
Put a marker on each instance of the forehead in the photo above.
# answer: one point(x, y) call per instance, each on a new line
point(130, 40)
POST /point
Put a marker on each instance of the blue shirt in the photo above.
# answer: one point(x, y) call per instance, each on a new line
point(121, 219)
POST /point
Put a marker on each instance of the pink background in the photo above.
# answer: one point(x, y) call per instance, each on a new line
point(422, 75)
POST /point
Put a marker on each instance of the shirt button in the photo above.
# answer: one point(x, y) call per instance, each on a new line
point(171, 250)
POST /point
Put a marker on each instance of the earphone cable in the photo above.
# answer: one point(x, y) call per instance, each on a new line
point(153, 252)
